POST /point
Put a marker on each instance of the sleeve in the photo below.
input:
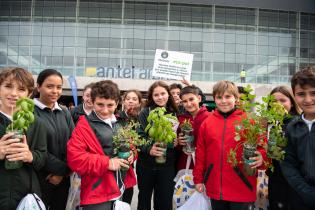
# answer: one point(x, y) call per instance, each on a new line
point(56, 166)
point(200, 165)
point(142, 118)
point(36, 135)
point(79, 157)
point(290, 168)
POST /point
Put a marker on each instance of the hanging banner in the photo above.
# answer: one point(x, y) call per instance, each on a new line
point(172, 65)
point(74, 90)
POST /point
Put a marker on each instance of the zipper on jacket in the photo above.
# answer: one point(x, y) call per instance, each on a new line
point(221, 162)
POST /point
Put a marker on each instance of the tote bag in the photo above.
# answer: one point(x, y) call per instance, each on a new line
point(31, 202)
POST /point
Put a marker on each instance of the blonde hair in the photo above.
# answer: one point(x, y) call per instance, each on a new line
point(225, 86)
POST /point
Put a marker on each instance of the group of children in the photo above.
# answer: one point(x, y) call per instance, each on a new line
point(59, 143)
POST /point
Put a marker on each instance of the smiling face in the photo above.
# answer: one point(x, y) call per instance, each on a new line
point(10, 91)
point(104, 108)
point(175, 92)
point(87, 98)
point(284, 100)
point(225, 102)
point(191, 103)
point(160, 96)
point(50, 90)
point(305, 98)
point(131, 101)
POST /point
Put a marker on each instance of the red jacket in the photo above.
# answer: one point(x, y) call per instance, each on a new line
point(86, 157)
point(201, 115)
point(216, 138)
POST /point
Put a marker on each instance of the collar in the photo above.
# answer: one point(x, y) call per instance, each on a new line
point(43, 106)
point(226, 114)
point(86, 111)
point(8, 116)
point(309, 123)
point(109, 121)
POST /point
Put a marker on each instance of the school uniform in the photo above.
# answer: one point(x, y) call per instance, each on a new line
point(59, 125)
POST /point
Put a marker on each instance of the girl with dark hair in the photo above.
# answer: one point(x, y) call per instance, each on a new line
point(278, 188)
point(54, 177)
point(152, 176)
point(131, 104)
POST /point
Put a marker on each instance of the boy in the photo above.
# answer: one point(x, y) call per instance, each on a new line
point(16, 83)
point(194, 113)
point(227, 189)
point(299, 164)
point(90, 151)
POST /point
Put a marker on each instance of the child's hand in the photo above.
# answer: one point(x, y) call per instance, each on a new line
point(258, 160)
point(156, 150)
point(199, 187)
point(19, 151)
point(116, 163)
point(181, 139)
point(54, 179)
point(5, 142)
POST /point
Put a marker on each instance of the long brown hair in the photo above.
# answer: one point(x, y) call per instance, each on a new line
point(295, 109)
point(170, 105)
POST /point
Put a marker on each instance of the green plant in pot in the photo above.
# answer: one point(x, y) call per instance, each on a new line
point(187, 130)
point(265, 121)
point(126, 140)
point(249, 133)
point(21, 121)
point(161, 129)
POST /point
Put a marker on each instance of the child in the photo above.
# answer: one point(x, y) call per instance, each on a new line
point(16, 83)
point(227, 189)
point(298, 166)
point(86, 107)
point(278, 187)
point(90, 151)
point(195, 114)
point(152, 176)
point(54, 177)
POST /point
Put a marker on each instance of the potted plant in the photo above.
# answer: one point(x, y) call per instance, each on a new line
point(187, 130)
point(21, 120)
point(162, 129)
point(262, 120)
point(126, 140)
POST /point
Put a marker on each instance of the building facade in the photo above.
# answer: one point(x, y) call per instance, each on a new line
point(118, 38)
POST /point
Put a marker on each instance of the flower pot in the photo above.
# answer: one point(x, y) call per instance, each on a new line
point(9, 165)
point(161, 159)
point(190, 143)
point(124, 153)
point(248, 152)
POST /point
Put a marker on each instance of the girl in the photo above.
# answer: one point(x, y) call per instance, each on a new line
point(131, 108)
point(154, 177)
point(278, 188)
point(225, 185)
point(16, 83)
point(91, 153)
point(54, 177)
point(86, 107)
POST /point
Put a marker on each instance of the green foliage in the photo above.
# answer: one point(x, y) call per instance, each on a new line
point(24, 116)
point(265, 118)
point(160, 125)
point(127, 136)
point(186, 125)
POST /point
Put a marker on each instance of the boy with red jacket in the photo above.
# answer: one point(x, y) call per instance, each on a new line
point(90, 151)
point(229, 188)
point(190, 99)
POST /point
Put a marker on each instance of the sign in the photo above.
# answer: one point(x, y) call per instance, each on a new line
point(172, 65)
point(73, 85)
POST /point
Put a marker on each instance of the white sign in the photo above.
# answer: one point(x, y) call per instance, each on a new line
point(172, 65)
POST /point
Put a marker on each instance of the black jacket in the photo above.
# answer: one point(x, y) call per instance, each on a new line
point(15, 184)
point(77, 112)
point(298, 166)
point(59, 127)
point(145, 159)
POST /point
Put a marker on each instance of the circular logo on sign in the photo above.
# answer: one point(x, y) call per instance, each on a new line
point(164, 54)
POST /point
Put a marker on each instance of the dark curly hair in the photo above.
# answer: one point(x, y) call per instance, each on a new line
point(105, 89)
